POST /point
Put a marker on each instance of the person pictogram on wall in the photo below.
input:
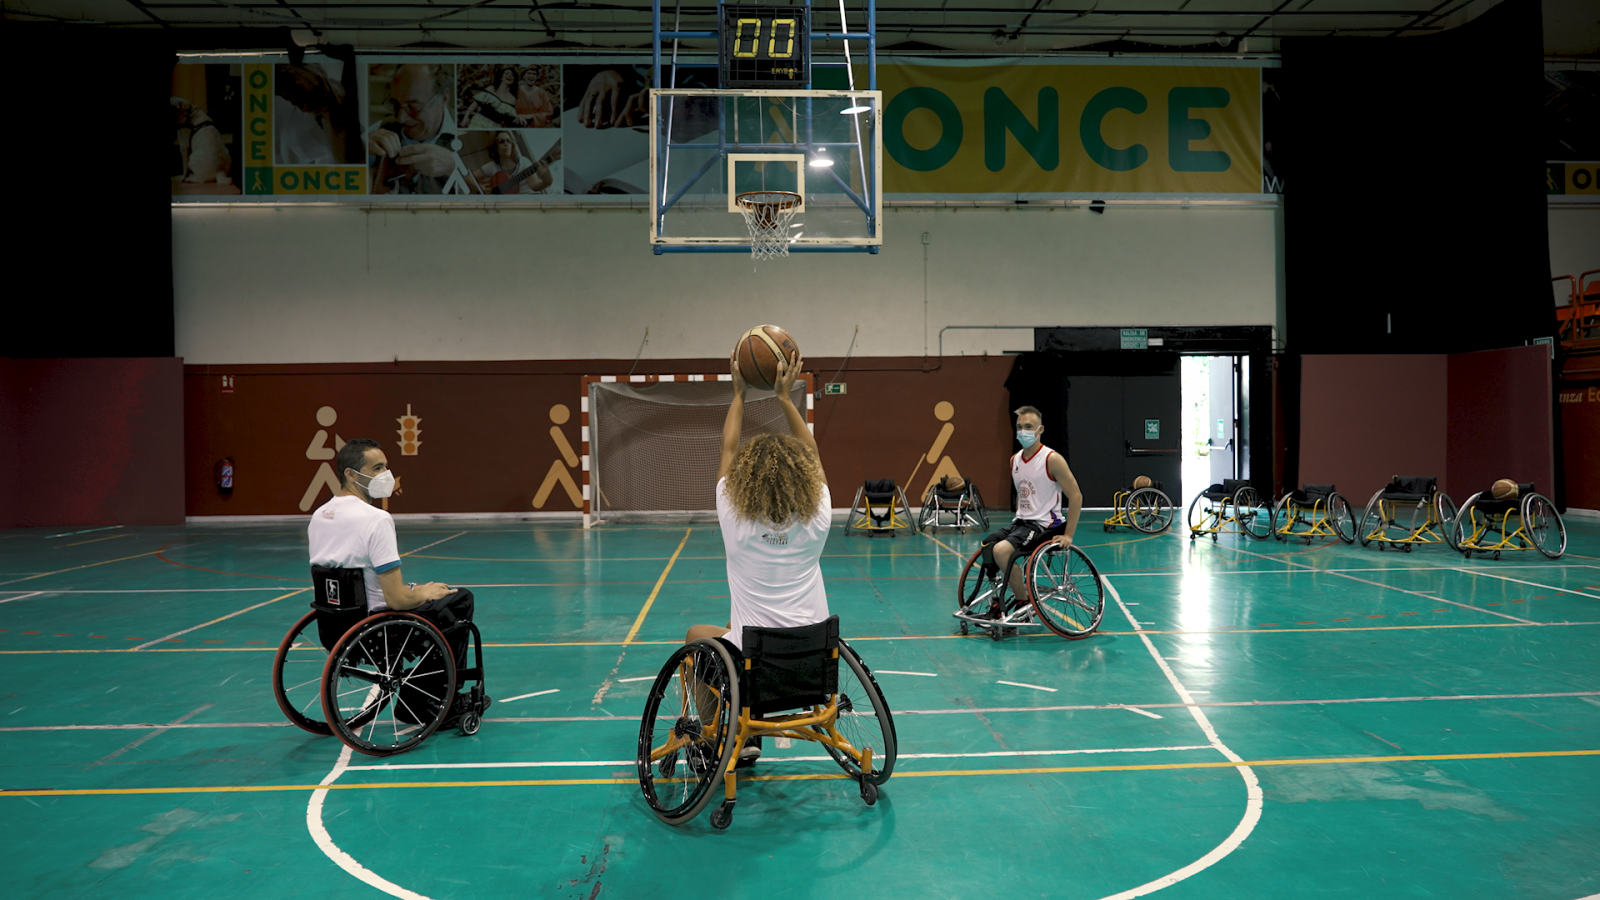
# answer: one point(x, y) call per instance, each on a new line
point(559, 469)
point(318, 449)
point(944, 411)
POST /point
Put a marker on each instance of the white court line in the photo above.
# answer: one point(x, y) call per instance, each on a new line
point(1037, 687)
point(1309, 568)
point(1253, 793)
point(221, 619)
point(1135, 709)
point(894, 672)
point(526, 696)
point(434, 544)
point(1548, 587)
point(601, 763)
point(636, 678)
point(26, 596)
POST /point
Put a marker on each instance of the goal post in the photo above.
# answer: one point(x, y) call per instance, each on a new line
point(651, 443)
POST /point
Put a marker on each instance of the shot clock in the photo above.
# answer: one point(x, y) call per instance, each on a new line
point(765, 46)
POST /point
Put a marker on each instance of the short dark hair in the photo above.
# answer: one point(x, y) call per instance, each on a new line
point(1024, 410)
point(353, 455)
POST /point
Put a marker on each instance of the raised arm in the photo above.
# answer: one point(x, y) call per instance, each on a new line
point(1069, 489)
point(787, 374)
point(732, 425)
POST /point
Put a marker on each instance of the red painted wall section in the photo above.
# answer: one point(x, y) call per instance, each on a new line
point(10, 461)
point(1501, 424)
point(1365, 419)
point(1579, 396)
point(95, 442)
point(485, 429)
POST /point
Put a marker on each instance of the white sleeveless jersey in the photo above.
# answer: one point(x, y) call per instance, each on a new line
point(1038, 494)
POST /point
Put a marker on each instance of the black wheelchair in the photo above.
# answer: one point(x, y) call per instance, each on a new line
point(1484, 524)
point(1313, 511)
point(1232, 507)
point(1408, 511)
point(380, 682)
point(1063, 593)
point(959, 509)
point(710, 699)
point(879, 507)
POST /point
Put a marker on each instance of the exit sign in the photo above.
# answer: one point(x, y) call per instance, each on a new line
point(833, 387)
point(1152, 429)
point(1135, 339)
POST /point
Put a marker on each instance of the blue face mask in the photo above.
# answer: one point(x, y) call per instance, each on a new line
point(1027, 439)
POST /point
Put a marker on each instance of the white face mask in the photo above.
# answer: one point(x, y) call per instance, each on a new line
point(380, 485)
point(1027, 439)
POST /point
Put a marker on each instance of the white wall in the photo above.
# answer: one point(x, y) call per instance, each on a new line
point(1574, 241)
point(332, 284)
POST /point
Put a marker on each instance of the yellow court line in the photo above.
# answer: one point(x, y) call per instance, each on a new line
point(97, 540)
point(943, 773)
point(85, 566)
point(657, 589)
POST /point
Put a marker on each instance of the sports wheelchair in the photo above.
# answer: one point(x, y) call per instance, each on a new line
point(1429, 514)
point(1065, 593)
point(880, 506)
point(1232, 507)
point(1315, 510)
point(1484, 524)
point(945, 508)
point(710, 699)
point(385, 681)
point(1145, 508)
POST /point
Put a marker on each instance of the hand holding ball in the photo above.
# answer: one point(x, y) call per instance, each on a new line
point(758, 352)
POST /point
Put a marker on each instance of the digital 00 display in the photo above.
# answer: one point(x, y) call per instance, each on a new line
point(765, 46)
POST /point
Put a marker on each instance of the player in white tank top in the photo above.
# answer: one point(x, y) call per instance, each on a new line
point(1043, 481)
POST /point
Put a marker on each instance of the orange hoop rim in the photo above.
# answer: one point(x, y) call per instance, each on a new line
point(777, 200)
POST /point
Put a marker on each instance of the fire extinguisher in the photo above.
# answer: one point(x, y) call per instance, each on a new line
point(224, 474)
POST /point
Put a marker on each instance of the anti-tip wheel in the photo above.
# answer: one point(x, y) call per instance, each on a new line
point(470, 723)
point(869, 791)
point(721, 817)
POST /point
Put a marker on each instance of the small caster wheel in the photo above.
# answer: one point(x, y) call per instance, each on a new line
point(470, 723)
point(869, 791)
point(994, 633)
point(721, 817)
point(1497, 554)
point(1213, 539)
point(1191, 537)
point(963, 626)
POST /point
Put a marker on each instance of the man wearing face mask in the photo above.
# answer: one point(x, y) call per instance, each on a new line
point(349, 532)
point(1042, 480)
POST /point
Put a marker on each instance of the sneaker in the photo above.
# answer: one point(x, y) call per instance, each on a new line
point(748, 754)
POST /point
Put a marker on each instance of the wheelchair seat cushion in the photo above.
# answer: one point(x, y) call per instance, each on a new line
point(787, 668)
point(1315, 492)
point(879, 490)
point(1411, 487)
point(1488, 505)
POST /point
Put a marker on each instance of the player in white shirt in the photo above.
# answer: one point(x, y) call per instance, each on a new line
point(775, 509)
point(1043, 481)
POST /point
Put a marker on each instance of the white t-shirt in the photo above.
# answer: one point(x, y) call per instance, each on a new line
point(350, 533)
point(774, 575)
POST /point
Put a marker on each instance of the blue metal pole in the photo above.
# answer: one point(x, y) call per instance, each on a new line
point(655, 43)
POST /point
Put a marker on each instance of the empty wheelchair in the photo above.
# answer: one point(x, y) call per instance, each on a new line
point(880, 507)
point(1408, 511)
point(787, 683)
point(1485, 522)
point(1064, 593)
point(1313, 511)
point(380, 682)
point(1144, 507)
point(960, 509)
point(1232, 507)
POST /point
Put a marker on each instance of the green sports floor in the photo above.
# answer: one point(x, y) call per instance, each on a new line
point(1253, 720)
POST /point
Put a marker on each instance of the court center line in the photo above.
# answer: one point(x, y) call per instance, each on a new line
point(219, 619)
point(1548, 587)
point(1253, 792)
point(948, 773)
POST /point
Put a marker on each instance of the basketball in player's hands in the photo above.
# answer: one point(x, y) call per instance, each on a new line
point(758, 351)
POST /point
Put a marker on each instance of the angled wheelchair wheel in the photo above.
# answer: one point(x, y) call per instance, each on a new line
point(1446, 513)
point(297, 675)
point(388, 683)
point(1464, 531)
point(1282, 518)
point(864, 719)
point(1066, 591)
point(1373, 521)
point(979, 510)
point(1542, 521)
point(1149, 510)
point(1253, 513)
point(1342, 518)
point(1202, 516)
point(929, 516)
point(975, 593)
point(687, 735)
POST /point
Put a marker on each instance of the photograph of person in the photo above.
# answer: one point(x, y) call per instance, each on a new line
point(205, 116)
point(507, 161)
point(411, 139)
point(508, 95)
point(314, 121)
point(605, 115)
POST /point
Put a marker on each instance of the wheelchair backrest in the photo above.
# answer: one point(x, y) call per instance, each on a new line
point(1411, 487)
point(1490, 506)
point(786, 668)
point(1232, 485)
point(1315, 492)
point(338, 590)
point(879, 489)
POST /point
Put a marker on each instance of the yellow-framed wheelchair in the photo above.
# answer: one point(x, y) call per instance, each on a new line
point(1484, 524)
point(710, 699)
point(1232, 507)
point(1313, 511)
point(1144, 507)
point(961, 508)
point(380, 682)
point(1408, 511)
point(879, 507)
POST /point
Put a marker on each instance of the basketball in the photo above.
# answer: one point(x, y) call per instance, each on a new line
point(1504, 489)
point(1143, 481)
point(757, 353)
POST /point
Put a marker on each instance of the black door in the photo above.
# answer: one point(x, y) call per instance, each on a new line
point(1120, 427)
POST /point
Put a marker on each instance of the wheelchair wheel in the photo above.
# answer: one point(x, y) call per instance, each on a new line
point(978, 508)
point(688, 730)
point(1149, 510)
point(297, 675)
point(1444, 509)
point(1253, 514)
point(1282, 518)
point(388, 683)
point(1201, 518)
point(1543, 523)
point(975, 593)
point(1342, 518)
point(1066, 590)
point(1372, 520)
point(929, 517)
point(864, 719)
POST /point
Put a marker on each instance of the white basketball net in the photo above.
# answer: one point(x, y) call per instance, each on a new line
point(769, 215)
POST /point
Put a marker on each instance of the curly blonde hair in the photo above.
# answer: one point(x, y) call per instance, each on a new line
point(775, 479)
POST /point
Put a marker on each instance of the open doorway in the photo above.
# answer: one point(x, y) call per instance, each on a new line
point(1216, 421)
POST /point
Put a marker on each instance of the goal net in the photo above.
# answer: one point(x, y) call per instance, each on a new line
point(651, 443)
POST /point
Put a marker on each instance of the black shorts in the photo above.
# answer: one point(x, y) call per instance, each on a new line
point(1025, 535)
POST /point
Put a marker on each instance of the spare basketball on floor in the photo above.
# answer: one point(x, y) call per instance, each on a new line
point(757, 353)
point(1504, 489)
point(1143, 481)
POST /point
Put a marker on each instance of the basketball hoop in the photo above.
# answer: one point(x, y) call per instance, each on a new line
point(768, 214)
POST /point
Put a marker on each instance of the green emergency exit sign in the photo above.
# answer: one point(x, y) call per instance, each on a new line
point(1135, 338)
point(1152, 429)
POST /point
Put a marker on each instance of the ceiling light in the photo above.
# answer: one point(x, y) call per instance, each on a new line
point(819, 161)
point(854, 110)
